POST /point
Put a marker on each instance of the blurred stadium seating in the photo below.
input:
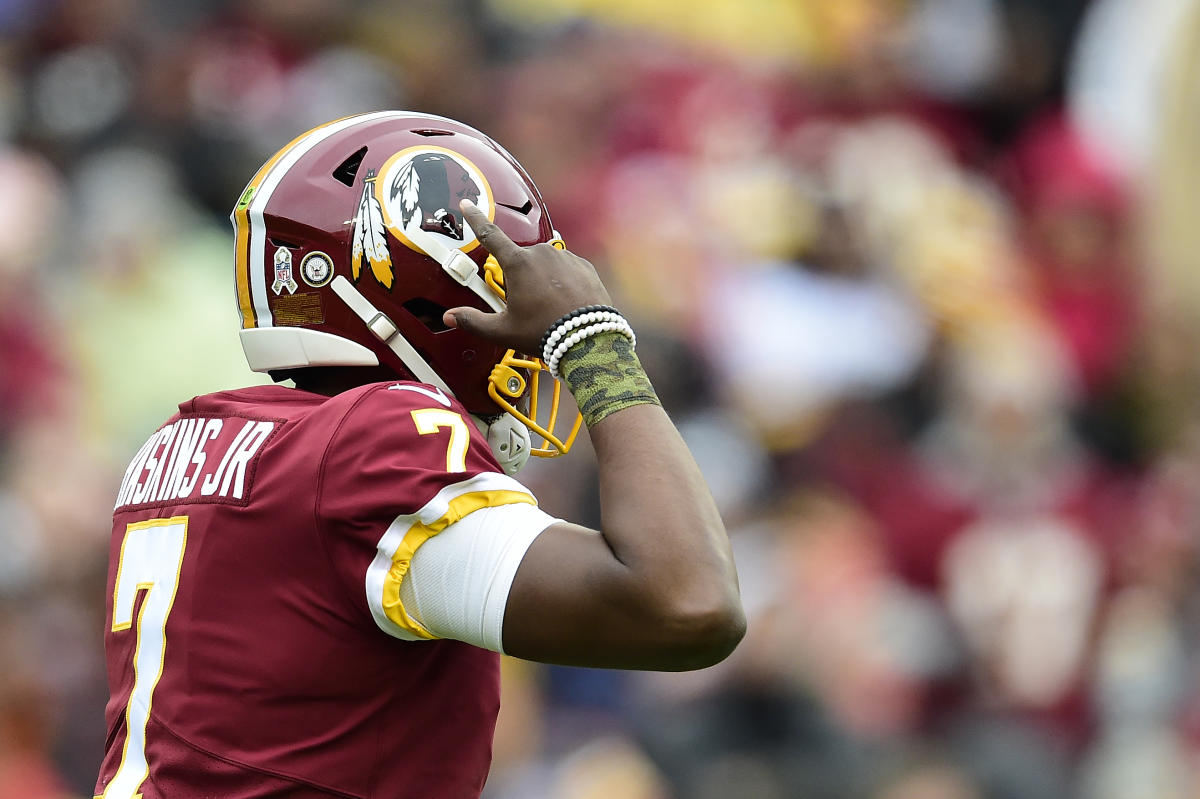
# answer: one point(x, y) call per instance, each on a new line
point(917, 278)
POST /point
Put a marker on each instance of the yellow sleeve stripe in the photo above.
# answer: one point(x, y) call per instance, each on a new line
point(419, 533)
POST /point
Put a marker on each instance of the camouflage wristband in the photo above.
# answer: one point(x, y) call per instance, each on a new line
point(605, 376)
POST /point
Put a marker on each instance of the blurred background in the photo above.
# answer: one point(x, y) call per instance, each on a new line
point(917, 279)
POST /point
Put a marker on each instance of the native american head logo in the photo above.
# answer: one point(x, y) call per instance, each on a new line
point(428, 188)
point(420, 189)
point(416, 196)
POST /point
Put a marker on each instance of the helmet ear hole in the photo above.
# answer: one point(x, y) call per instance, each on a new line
point(348, 169)
point(428, 313)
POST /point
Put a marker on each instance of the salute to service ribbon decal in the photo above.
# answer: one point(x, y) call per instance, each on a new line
point(283, 272)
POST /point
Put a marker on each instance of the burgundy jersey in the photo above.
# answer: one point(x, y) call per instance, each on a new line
point(257, 644)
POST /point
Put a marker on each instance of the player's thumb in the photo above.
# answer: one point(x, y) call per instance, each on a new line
point(474, 321)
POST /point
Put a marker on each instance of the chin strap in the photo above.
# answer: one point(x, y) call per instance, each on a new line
point(508, 438)
point(456, 263)
point(386, 331)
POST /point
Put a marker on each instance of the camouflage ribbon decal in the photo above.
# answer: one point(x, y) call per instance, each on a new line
point(605, 376)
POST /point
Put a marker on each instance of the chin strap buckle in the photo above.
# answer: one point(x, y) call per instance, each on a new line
point(455, 263)
point(386, 331)
point(459, 267)
point(382, 327)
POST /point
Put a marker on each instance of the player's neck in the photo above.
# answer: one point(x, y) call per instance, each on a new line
point(330, 381)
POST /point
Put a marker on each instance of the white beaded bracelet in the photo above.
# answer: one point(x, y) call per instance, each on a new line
point(619, 326)
point(590, 318)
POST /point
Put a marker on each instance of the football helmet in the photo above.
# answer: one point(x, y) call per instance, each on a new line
point(350, 245)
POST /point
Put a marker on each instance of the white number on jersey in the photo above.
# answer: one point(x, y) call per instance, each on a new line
point(151, 559)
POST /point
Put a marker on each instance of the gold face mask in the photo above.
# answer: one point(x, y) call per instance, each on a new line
point(508, 383)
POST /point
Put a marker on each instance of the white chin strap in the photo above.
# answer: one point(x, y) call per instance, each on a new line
point(455, 262)
point(508, 438)
point(386, 331)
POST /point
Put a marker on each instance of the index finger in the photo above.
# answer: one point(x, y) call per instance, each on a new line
point(493, 239)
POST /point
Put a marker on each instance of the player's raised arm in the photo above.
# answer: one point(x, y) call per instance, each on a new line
point(357, 547)
point(656, 587)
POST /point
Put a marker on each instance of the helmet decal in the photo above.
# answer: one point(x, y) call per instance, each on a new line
point(283, 272)
point(370, 239)
point(420, 189)
point(317, 269)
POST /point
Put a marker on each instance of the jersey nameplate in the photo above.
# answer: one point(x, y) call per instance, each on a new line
point(195, 459)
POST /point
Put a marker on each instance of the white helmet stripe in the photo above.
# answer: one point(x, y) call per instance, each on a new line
point(258, 205)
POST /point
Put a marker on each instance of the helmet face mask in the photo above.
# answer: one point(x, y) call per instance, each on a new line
point(350, 245)
point(520, 396)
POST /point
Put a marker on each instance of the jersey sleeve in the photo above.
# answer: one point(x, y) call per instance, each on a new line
point(404, 464)
point(459, 581)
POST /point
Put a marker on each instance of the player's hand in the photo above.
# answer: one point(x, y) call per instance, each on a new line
point(541, 284)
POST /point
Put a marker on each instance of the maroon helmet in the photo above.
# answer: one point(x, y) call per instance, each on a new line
point(350, 245)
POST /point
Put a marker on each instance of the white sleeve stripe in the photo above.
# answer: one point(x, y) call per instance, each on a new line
point(430, 513)
point(459, 581)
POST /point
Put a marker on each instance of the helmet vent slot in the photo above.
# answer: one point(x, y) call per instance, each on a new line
point(433, 132)
point(520, 209)
point(428, 313)
point(348, 169)
point(291, 245)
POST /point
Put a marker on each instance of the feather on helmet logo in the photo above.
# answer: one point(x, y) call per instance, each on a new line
point(370, 240)
point(415, 195)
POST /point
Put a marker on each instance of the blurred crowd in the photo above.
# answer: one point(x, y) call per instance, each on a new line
point(916, 279)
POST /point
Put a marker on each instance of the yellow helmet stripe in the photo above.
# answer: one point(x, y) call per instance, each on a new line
point(249, 225)
point(241, 264)
point(241, 228)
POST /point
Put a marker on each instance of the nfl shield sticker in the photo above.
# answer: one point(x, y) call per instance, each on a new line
point(316, 269)
point(283, 272)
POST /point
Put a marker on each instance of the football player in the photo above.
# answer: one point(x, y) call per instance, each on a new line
point(309, 586)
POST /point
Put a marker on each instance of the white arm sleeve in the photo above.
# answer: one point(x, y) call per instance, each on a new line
point(457, 586)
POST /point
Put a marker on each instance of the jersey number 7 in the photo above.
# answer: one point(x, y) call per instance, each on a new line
point(432, 420)
point(151, 559)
